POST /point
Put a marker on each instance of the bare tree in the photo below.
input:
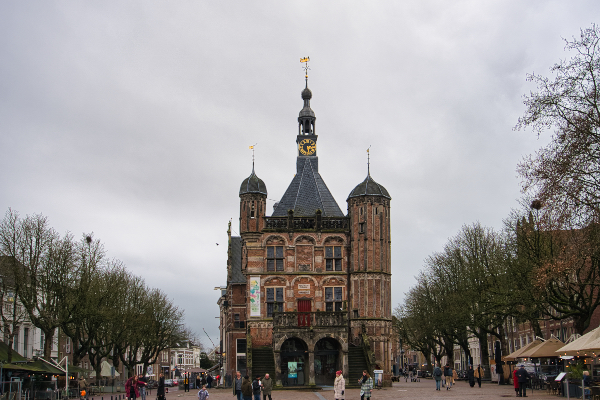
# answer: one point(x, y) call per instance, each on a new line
point(565, 175)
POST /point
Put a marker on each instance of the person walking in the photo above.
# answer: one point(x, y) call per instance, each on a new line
point(237, 385)
point(437, 375)
point(256, 387)
point(131, 387)
point(454, 376)
point(186, 382)
point(516, 382)
point(339, 386)
point(448, 376)
point(522, 377)
point(203, 393)
point(471, 376)
point(160, 389)
point(366, 385)
point(143, 388)
point(478, 374)
point(247, 388)
point(198, 385)
point(209, 380)
point(267, 386)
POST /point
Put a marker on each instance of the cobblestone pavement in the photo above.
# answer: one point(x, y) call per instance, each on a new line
point(403, 390)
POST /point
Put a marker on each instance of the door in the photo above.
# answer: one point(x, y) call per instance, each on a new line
point(303, 312)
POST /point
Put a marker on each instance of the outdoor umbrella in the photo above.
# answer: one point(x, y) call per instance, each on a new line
point(580, 344)
point(544, 350)
point(517, 354)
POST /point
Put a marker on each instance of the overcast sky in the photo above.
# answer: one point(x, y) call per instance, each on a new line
point(133, 119)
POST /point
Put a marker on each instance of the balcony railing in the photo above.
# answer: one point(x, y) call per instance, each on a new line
point(316, 319)
point(317, 222)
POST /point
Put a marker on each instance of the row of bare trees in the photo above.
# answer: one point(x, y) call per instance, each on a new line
point(58, 281)
point(545, 263)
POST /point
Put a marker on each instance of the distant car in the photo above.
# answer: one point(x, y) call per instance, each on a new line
point(175, 381)
point(169, 382)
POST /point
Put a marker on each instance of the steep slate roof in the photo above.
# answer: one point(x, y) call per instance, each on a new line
point(369, 187)
point(307, 193)
point(236, 260)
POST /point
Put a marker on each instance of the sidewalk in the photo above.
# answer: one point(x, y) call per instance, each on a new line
point(407, 390)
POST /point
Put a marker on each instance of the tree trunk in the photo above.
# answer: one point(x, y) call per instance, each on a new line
point(48, 338)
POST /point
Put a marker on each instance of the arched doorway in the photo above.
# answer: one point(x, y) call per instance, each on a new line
point(327, 351)
point(294, 357)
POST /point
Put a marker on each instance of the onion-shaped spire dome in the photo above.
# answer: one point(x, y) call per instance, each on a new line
point(253, 184)
point(306, 117)
point(369, 187)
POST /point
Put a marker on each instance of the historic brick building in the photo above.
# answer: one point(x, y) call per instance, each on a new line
point(309, 288)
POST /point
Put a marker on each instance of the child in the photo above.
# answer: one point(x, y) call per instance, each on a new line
point(203, 393)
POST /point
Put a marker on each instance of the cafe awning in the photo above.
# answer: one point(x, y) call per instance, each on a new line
point(546, 349)
point(517, 353)
point(580, 344)
point(4, 350)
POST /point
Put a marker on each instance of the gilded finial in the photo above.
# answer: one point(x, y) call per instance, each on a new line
point(252, 148)
point(369, 161)
point(305, 60)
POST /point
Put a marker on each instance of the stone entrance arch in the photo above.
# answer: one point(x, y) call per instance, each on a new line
point(293, 364)
point(328, 359)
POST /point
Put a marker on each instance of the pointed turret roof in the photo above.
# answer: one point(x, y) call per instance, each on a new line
point(369, 187)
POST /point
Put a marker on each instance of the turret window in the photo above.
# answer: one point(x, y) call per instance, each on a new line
point(333, 258)
point(333, 298)
point(274, 301)
point(274, 258)
point(252, 211)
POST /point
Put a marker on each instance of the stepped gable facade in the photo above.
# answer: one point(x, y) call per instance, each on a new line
point(308, 288)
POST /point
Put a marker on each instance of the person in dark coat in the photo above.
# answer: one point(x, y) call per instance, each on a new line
point(209, 380)
point(131, 387)
point(522, 377)
point(437, 375)
point(256, 387)
point(186, 382)
point(448, 376)
point(471, 376)
point(247, 388)
point(198, 382)
point(160, 390)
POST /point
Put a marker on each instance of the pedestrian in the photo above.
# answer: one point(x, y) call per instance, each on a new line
point(448, 376)
point(131, 387)
point(586, 382)
point(267, 386)
point(186, 382)
point(143, 388)
point(198, 385)
point(366, 385)
point(437, 375)
point(160, 389)
point(454, 376)
point(522, 377)
point(471, 376)
point(516, 382)
point(237, 385)
point(478, 374)
point(82, 387)
point(256, 387)
point(339, 386)
point(218, 380)
point(247, 388)
point(203, 393)
point(209, 380)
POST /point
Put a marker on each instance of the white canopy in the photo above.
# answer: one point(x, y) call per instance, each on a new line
point(106, 368)
point(587, 342)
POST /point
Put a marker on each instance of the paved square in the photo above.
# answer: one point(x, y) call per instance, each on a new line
point(402, 390)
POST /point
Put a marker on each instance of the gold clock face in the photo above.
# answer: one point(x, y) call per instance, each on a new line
point(307, 147)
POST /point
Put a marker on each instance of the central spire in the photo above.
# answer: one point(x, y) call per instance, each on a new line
point(306, 119)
